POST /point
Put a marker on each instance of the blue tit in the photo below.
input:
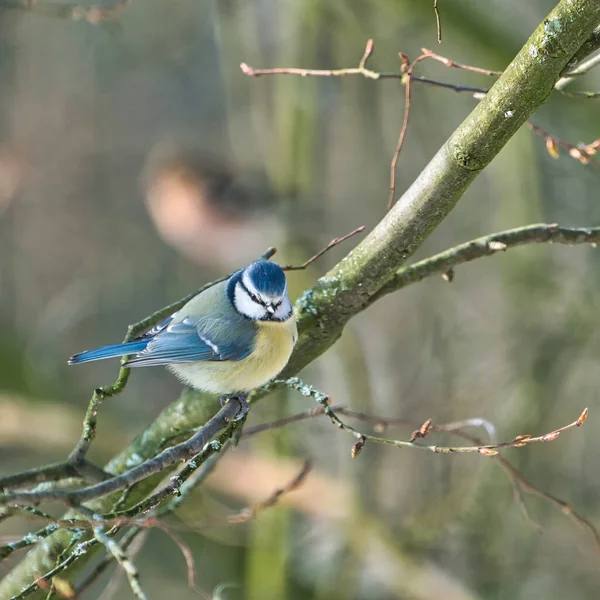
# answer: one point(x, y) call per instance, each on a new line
point(230, 339)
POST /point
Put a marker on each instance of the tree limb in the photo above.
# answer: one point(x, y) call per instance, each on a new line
point(165, 459)
point(524, 86)
point(444, 262)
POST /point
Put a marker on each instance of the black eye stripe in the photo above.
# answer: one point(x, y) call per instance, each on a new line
point(252, 296)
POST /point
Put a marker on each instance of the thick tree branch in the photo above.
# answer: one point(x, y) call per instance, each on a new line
point(524, 86)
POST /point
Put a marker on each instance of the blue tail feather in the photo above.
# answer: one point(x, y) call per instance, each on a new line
point(108, 352)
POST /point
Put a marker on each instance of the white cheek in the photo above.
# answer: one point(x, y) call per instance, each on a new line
point(246, 306)
point(284, 310)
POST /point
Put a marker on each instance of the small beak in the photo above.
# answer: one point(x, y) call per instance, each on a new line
point(270, 309)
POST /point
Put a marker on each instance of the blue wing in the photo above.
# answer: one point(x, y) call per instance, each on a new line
point(193, 340)
point(108, 352)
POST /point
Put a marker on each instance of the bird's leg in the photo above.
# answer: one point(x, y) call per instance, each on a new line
point(241, 398)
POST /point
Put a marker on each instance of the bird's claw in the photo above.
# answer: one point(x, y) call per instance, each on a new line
point(241, 399)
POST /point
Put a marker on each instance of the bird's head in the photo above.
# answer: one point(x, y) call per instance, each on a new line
point(259, 292)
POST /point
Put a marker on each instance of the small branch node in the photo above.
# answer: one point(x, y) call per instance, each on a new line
point(448, 275)
point(487, 451)
point(423, 431)
point(496, 246)
point(582, 417)
point(358, 446)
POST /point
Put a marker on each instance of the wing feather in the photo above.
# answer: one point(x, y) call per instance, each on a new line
point(191, 340)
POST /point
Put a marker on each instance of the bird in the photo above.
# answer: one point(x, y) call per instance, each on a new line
point(229, 340)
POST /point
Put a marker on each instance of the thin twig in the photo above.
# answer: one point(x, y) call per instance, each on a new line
point(107, 560)
point(446, 261)
point(584, 153)
point(520, 500)
point(485, 449)
point(302, 416)
point(365, 57)
point(253, 511)
point(79, 550)
point(25, 511)
point(367, 73)
point(120, 556)
point(187, 555)
point(581, 94)
point(580, 152)
point(518, 480)
point(54, 472)
point(438, 23)
point(563, 506)
point(189, 560)
point(361, 70)
point(476, 92)
point(588, 48)
point(403, 129)
point(58, 585)
point(192, 482)
point(182, 451)
point(133, 548)
point(329, 246)
point(581, 69)
point(456, 65)
point(28, 540)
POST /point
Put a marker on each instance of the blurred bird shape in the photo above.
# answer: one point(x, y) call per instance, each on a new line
point(199, 204)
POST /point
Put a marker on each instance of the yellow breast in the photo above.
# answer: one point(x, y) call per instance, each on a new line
point(273, 347)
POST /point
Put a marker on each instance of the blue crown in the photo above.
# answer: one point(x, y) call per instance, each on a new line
point(267, 277)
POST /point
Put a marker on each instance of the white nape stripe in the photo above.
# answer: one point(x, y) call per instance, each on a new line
point(249, 285)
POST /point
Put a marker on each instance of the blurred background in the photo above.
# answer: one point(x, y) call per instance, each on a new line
point(137, 162)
